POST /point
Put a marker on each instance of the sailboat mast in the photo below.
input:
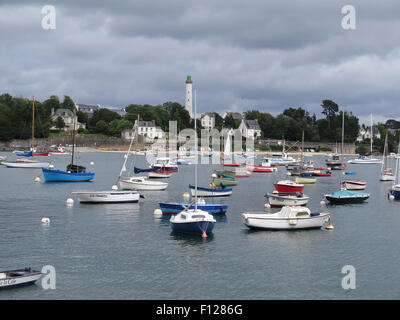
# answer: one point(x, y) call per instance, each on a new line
point(302, 148)
point(195, 153)
point(342, 133)
point(371, 134)
point(73, 139)
point(33, 124)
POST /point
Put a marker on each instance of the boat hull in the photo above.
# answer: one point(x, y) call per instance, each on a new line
point(107, 196)
point(210, 192)
point(353, 185)
point(174, 208)
point(27, 165)
point(282, 188)
point(146, 186)
point(262, 221)
point(306, 180)
point(278, 201)
point(23, 280)
point(64, 176)
point(193, 227)
point(387, 177)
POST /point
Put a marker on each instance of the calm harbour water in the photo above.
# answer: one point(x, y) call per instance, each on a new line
point(121, 251)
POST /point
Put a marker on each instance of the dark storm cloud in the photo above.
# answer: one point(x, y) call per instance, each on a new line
point(255, 54)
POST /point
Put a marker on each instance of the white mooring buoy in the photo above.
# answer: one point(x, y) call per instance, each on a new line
point(37, 179)
point(70, 201)
point(51, 166)
point(186, 195)
point(391, 197)
point(45, 221)
point(114, 187)
point(288, 174)
point(322, 202)
point(91, 163)
point(157, 213)
point(267, 205)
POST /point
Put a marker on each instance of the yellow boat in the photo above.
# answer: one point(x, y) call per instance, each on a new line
point(305, 180)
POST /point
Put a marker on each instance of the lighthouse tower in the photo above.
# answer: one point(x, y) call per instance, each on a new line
point(189, 100)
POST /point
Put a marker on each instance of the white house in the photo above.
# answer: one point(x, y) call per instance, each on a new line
point(147, 129)
point(68, 117)
point(365, 133)
point(250, 128)
point(208, 120)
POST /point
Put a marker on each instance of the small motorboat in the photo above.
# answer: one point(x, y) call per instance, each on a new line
point(288, 218)
point(210, 192)
point(288, 186)
point(346, 197)
point(114, 196)
point(354, 185)
point(395, 191)
point(281, 199)
point(335, 163)
point(19, 277)
point(174, 208)
point(193, 221)
point(141, 183)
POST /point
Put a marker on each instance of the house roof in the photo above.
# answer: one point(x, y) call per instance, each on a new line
point(151, 123)
point(63, 112)
point(252, 124)
point(86, 107)
point(210, 114)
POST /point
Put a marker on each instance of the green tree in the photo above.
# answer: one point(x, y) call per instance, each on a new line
point(68, 103)
point(102, 127)
point(59, 123)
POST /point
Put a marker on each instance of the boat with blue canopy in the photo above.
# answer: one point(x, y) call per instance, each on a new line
point(346, 197)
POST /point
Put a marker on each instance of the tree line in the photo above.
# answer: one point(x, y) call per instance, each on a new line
point(16, 120)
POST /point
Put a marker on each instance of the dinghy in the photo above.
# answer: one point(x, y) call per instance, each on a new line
point(386, 173)
point(288, 218)
point(141, 183)
point(354, 185)
point(279, 199)
point(210, 192)
point(19, 277)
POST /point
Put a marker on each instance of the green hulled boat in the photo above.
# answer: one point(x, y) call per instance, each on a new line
point(227, 182)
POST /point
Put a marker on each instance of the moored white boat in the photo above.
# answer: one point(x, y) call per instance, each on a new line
point(26, 163)
point(354, 185)
point(141, 183)
point(288, 218)
point(115, 196)
point(277, 199)
point(19, 277)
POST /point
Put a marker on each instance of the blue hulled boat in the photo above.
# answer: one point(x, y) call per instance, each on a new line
point(73, 173)
point(173, 208)
point(395, 191)
point(52, 175)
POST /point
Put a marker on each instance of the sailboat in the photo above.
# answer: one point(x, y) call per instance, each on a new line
point(386, 173)
point(366, 159)
point(195, 221)
point(139, 182)
point(395, 190)
point(73, 173)
point(305, 176)
point(345, 196)
point(28, 163)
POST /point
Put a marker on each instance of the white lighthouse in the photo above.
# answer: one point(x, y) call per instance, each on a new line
point(189, 100)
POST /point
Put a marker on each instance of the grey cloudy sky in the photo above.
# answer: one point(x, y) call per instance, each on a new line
point(255, 54)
